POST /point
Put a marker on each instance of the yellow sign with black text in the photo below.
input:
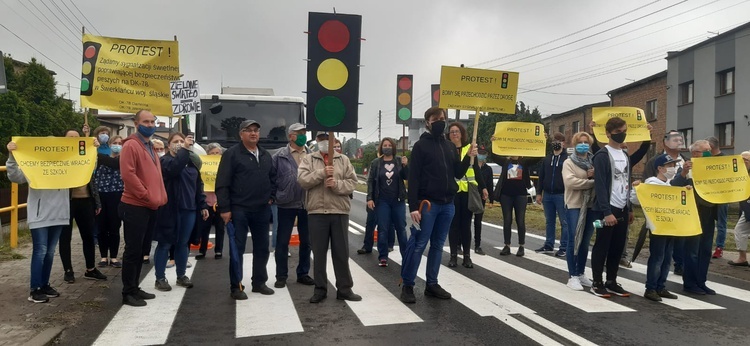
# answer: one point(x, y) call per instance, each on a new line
point(209, 168)
point(471, 89)
point(56, 162)
point(515, 138)
point(634, 117)
point(721, 179)
point(126, 75)
point(671, 209)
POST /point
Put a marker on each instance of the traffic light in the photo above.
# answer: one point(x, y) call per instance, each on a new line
point(82, 148)
point(90, 55)
point(435, 92)
point(404, 88)
point(333, 48)
point(683, 198)
point(504, 83)
point(734, 165)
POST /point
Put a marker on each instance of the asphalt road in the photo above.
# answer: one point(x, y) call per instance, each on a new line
point(508, 300)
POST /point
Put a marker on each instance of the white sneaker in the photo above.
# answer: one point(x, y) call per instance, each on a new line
point(189, 265)
point(574, 284)
point(584, 280)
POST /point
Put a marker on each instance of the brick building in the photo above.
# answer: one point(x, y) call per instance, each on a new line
point(572, 121)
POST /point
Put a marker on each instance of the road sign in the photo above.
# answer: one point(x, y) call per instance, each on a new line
point(471, 89)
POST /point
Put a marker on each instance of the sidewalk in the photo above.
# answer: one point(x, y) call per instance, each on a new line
point(23, 322)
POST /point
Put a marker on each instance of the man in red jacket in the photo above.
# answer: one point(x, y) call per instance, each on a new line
point(144, 193)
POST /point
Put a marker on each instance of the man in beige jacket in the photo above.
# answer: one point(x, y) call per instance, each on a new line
point(328, 205)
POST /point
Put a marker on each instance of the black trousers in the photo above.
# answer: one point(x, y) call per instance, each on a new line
point(610, 242)
point(330, 229)
point(83, 211)
point(138, 227)
point(460, 231)
point(509, 204)
point(214, 220)
point(109, 224)
point(478, 227)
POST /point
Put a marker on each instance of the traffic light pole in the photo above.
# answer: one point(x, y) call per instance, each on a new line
point(474, 136)
point(380, 119)
point(403, 138)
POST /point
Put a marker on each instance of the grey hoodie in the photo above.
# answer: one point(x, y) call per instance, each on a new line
point(45, 207)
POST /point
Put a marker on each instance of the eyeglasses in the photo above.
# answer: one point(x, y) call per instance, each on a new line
point(455, 132)
point(251, 130)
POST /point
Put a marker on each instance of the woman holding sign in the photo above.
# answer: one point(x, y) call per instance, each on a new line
point(110, 184)
point(213, 218)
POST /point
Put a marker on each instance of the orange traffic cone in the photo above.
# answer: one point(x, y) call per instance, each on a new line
point(197, 247)
point(375, 235)
point(294, 240)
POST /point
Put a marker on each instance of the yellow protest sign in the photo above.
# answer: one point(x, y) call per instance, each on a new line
point(721, 179)
point(634, 117)
point(470, 88)
point(56, 162)
point(208, 171)
point(127, 75)
point(671, 209)
point(515, 138)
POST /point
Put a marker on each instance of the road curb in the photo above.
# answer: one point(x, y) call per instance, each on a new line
point(45, 337)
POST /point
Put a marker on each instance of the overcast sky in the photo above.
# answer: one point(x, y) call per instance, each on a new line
point(262, 44)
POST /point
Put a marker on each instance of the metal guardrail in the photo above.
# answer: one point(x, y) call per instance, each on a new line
point(13, 209)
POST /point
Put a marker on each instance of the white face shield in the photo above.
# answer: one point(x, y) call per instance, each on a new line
point(674, 141)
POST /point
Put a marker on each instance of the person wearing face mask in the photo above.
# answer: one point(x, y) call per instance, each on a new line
point(697, 249)
point(110, 186)
point(742, 229)
point(660, 246)
point(159, 147)
point(552, 197)
point(612, 188)
point(434, 168)
point(142, 195)
point(386, 196)
point(487, 177)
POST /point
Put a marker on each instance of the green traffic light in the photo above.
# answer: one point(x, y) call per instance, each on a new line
point(330, 111)
point(404, 114)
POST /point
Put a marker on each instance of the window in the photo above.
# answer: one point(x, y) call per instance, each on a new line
point(561, 129)
point(726, 82)
point(688, 135)
point(576, 127)
point(686, 93)
point(726, 134)
point(651, 110)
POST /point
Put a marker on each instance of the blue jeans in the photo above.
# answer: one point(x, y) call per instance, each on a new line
point(44, 242)
point(697, 251)
point(391, 214)
point(721, 224)
point(257, 222)
point(184, 227)
point(555, 204)
point(286, 225)
point(275, 225)
point(434, 229)
point(370, 224)
point(577, 263)
point(678, 252)
point(658, 261)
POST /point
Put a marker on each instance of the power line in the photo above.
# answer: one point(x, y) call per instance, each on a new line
point(47, 23)
point(43, 34)
point(63, 13)
point(566, 36)
point(84, 17)
point(38, 51)
point(72, 13)
point(58, 18)
point(566, 94)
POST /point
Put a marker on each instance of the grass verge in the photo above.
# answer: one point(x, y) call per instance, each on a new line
point(8, 254)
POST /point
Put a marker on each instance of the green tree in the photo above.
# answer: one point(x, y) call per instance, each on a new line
point(10, 76)
point(351, 146)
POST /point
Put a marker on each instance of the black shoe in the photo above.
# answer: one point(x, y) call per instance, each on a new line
point(598, 289)
point(69, 277)
point(103, 263)
point(520, 251)
point(217, 255)
point(666, 294)
point(708, 291)
point(467, 262)
point(505, 251)
point(407, 295)
point(678, 271)
point(694, 290)
point(184, 281)
point(144, 295)
point(133, 300)
point(37, 296)
point(317, 298)
point(49, 291)
point(200, 256)
point(279, 283)
point(652, 295)
point(616, 288)
point(436, 291)
point(544, 249)
point(263, 289)
point(479, 251)
point(560, 253)
point(363, 251)
point(94, 274)
point(390, 249)
point(306, 280)
point(453, 261)
point(350, 296)
point(238, 295)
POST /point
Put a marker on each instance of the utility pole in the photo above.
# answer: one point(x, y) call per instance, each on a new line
point(380, 120)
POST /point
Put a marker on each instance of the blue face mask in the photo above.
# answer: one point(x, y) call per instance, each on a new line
point(482, 157)
point(146, 131)
point(116, 148)
point(582, 148)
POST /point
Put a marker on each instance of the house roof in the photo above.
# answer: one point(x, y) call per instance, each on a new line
point(579, 109)
point(712, 40)
point(662, 74)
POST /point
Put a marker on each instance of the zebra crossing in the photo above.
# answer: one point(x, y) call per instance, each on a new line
point(287, 313)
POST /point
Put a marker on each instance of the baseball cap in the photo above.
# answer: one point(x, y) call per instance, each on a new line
point(296, 127)
point(321, 136)
point(247, 123)
point(662, 160)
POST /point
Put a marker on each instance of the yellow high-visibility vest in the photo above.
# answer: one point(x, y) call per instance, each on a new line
point(463, 184)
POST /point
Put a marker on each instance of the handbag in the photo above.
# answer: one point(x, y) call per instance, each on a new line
point(475, 198)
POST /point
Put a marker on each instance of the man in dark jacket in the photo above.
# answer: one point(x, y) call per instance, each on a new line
point(290, 198)
point(245, 189)
point(435, 166)
point(488, 177)
point(552, 195)
point(697, 249)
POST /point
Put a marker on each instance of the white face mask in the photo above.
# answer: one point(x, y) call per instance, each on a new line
point(323, 146)
point(161, 153)
point(670, 173)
